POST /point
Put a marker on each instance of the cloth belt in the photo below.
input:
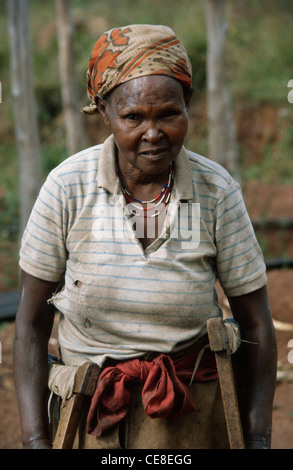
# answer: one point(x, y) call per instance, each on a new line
point(164, 393)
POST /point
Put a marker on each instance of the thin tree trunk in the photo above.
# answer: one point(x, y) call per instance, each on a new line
point(72, 115)
point(26, 128)
point(222, 135)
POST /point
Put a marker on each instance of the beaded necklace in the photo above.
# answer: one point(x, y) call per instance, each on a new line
point(164, 194)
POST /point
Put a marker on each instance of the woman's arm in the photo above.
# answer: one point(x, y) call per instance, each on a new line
point(256, 366)
point(34, 321)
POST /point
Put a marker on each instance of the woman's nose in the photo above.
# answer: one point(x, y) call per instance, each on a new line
point(152, 134)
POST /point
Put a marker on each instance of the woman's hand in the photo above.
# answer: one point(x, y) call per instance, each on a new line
point(256, 444)
point(33, 327)
point(38, 443)
point(256, 366)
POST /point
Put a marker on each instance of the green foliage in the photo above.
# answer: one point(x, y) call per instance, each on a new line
point(9, 207)
point(276, 165)
point(4, 324)
point(259, 57)
point(53, 155)
point(9, 197)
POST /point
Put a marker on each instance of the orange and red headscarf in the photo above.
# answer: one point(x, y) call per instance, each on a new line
point(129, 52)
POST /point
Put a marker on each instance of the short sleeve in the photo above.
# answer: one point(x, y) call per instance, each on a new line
point(43, 249)
point(240, 264)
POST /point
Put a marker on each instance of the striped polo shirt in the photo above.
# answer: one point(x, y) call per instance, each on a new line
point(119, 300)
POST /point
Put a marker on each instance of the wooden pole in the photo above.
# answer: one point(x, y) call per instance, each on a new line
point(72, 115)
point(222, 135)
point(25, 120)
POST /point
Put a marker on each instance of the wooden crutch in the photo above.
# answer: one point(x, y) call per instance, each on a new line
point(219, 344)
point(85, 385)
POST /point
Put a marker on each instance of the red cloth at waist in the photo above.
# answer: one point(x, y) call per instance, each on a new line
point(164, 393)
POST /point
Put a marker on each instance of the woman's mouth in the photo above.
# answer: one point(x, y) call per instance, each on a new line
point(153, 154)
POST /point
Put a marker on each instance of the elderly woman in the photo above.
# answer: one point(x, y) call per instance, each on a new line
point(126, 240)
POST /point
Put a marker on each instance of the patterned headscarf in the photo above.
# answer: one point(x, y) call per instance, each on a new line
point(122, 54)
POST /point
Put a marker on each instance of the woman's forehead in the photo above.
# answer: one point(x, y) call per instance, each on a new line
point(152, 88)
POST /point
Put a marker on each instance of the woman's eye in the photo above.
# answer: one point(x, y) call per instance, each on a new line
point(131, 117)
point(171, 113)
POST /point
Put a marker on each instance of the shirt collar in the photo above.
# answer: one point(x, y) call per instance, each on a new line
point(107, 177)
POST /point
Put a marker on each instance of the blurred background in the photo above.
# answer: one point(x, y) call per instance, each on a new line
point(257, 66)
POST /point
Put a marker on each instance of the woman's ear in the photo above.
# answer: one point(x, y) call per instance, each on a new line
point(101, 105)
point(188, 93)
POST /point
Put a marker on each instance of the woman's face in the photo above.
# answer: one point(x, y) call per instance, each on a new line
point(148, 117)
